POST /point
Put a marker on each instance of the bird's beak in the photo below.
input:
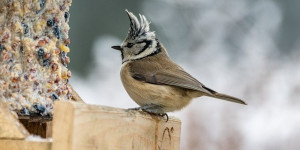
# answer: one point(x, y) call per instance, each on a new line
point(117, 47)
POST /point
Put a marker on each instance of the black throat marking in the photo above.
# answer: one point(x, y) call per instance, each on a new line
point(157, 50)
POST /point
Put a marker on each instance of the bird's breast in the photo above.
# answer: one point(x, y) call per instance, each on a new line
point(170, 97)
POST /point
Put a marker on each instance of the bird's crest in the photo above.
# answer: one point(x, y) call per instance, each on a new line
point(138, 28)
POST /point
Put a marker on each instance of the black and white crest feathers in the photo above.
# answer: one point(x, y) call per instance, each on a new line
point(138, 28)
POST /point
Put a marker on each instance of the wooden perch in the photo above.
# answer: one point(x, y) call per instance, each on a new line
point(78, 126)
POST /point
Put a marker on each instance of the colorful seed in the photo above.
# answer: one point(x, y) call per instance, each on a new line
point(41, 52)
point(33, 71)
point(26, 29)
point(54, 96)
point(46, 62)
point(67, 16)
point(67, 60)
point(56, 81)
point(41, 42)
point(50, 23)
point(39, 108)
point(47, 55)
point(56, 32)
point(63, 58)
point(15, 79)
point(24, 111)
point(69, 74)
point(42, 6)
point(57, 51)
point(54, 67)
point(67, 42)
point(26, 77)
point(65, 48)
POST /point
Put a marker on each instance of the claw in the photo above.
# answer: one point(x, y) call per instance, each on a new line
point(163, 115)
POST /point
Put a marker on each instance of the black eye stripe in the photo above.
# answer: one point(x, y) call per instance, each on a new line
point(129, 45)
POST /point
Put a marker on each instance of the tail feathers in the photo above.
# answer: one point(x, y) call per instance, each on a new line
point(228, 98)
point(223, 96)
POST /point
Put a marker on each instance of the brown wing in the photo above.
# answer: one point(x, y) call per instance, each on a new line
point(164, 72)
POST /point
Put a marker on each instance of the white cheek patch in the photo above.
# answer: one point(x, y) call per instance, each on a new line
point(138, 47)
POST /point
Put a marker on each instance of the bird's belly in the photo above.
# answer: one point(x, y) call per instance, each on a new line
point(169, 97)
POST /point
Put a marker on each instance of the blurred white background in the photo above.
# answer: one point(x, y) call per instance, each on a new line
point(249, 49)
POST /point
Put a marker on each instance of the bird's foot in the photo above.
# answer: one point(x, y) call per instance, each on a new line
point(152, 109)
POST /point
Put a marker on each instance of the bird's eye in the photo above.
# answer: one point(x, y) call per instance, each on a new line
point(129, 45)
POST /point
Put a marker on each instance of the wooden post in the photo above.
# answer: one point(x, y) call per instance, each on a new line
point(78, 126)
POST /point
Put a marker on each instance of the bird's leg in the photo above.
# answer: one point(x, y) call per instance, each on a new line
point(152, 109)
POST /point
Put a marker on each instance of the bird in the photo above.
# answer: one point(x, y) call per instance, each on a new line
point(155, 82)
